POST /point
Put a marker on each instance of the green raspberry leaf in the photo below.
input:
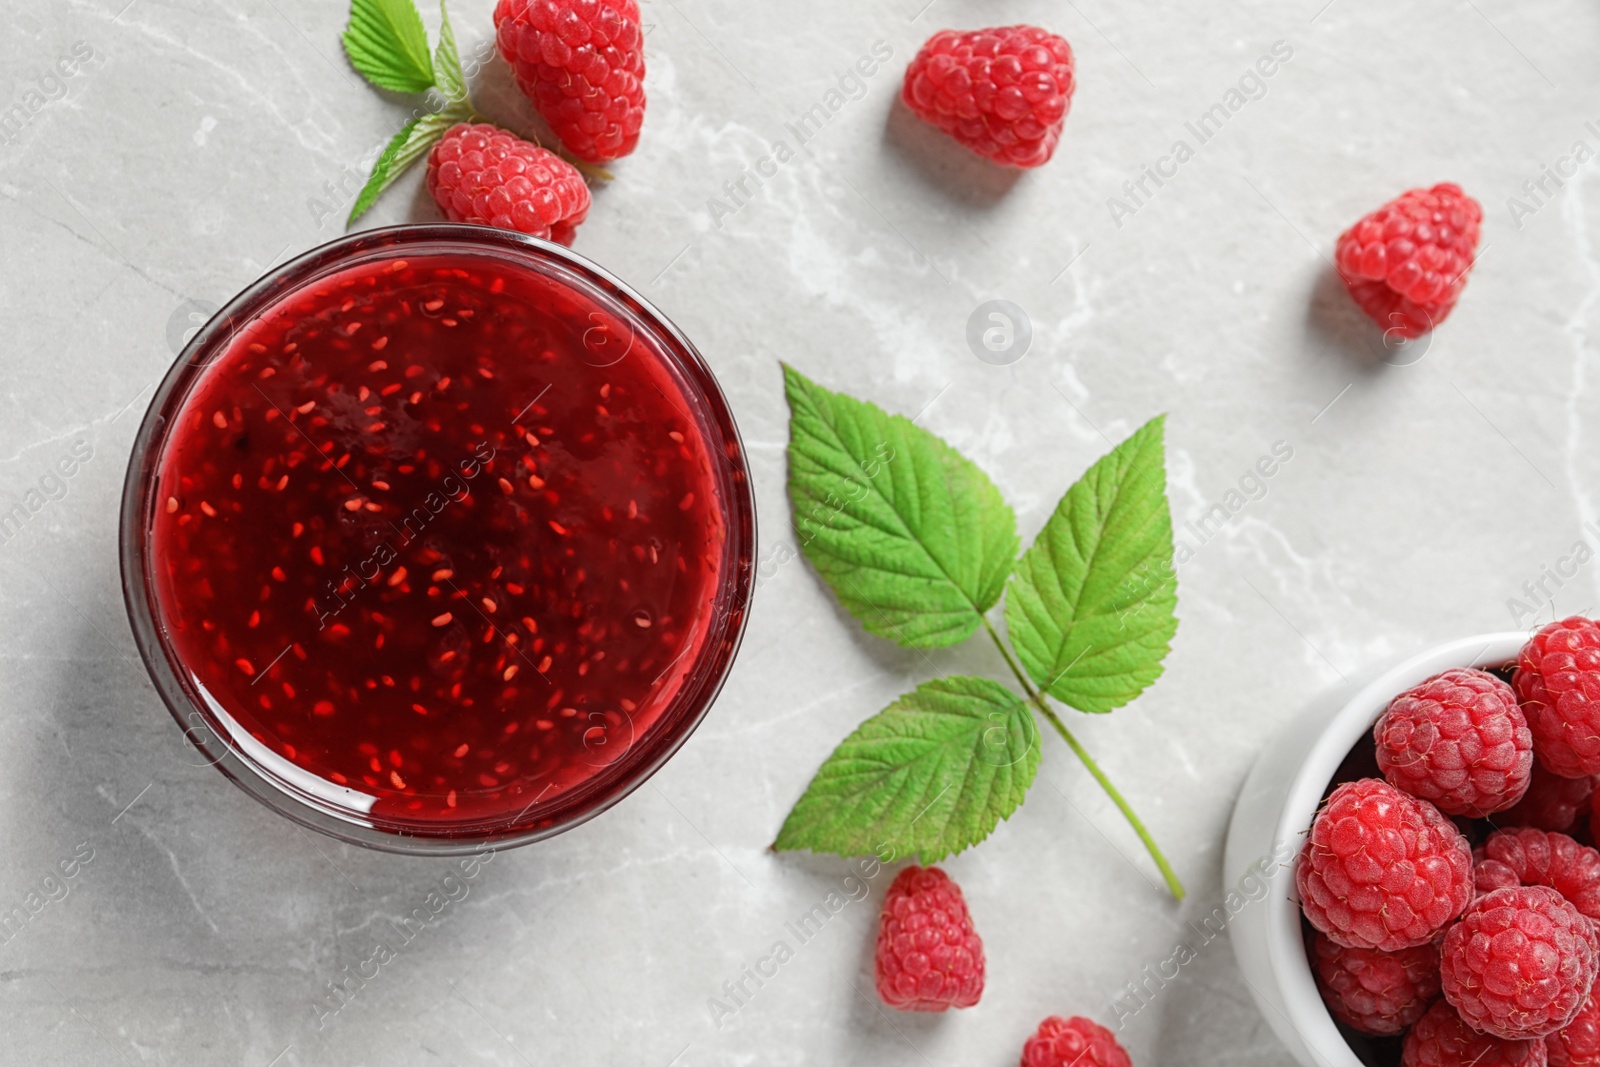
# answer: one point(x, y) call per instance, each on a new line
point(447, 61)
point(913, 538)
point(387, 44)
point(931, 774)
point(414, 141)
point(1090, 608)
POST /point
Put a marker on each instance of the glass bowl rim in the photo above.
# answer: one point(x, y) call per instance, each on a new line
point(729, 613)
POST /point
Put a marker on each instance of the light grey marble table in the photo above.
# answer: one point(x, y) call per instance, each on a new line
point(195, 143)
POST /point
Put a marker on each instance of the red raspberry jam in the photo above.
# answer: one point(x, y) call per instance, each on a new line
point(440, 539)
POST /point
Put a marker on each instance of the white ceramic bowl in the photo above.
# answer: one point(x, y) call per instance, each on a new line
point(1270, 820)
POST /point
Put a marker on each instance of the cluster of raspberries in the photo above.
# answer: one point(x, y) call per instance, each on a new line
point(1477, 955)
point(930, 958)
point(1001, 92)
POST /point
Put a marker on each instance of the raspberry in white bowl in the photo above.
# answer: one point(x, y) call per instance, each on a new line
point(1423, 837)
point(1327, 745)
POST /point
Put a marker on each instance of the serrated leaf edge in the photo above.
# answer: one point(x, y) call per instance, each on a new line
point(387, 44)
point(448, 77)
point(797, 387)
point(402, 151)
point(1023, 599)
point(1013, 705)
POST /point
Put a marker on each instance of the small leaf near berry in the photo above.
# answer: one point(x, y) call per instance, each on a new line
point(447, 61)
point(409, 145)
point(930, 775)
point(913, 537)
point(387, 44)
point(1090, 609)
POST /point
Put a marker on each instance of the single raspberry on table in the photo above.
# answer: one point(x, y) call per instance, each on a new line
point(1074, 1042)
point(1520, 963)
point(480, 173)
point(1441, 1039)
point(1002, 92)
point(581, 62)
point(1542, 857)
point(1551, 803)
point(1558, 681)
point(1376, 992)
point(1407, 262)
point(1382, 869)
point(1459, 740)
point(1578, 1043)
point(929, 956)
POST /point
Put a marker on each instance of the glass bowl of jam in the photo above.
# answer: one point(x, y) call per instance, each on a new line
point(438, 537)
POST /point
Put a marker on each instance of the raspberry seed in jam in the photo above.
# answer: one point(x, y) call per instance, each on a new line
point(442, 535)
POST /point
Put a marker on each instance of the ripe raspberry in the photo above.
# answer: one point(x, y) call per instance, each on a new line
point(1001, 92)
point(581, 62)
point(1074, 1042)
point(482, 174)
point(1540, 857)
point(1382, 869)
point(1578, 1043)
point(1459, 740)
point(1489, 875)
point(1441, 1039)
point(1376, 992)
point(929, 956)
point(1551, 803)
point(1520, 963)
point(1407, 262)
point(1558, 682)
